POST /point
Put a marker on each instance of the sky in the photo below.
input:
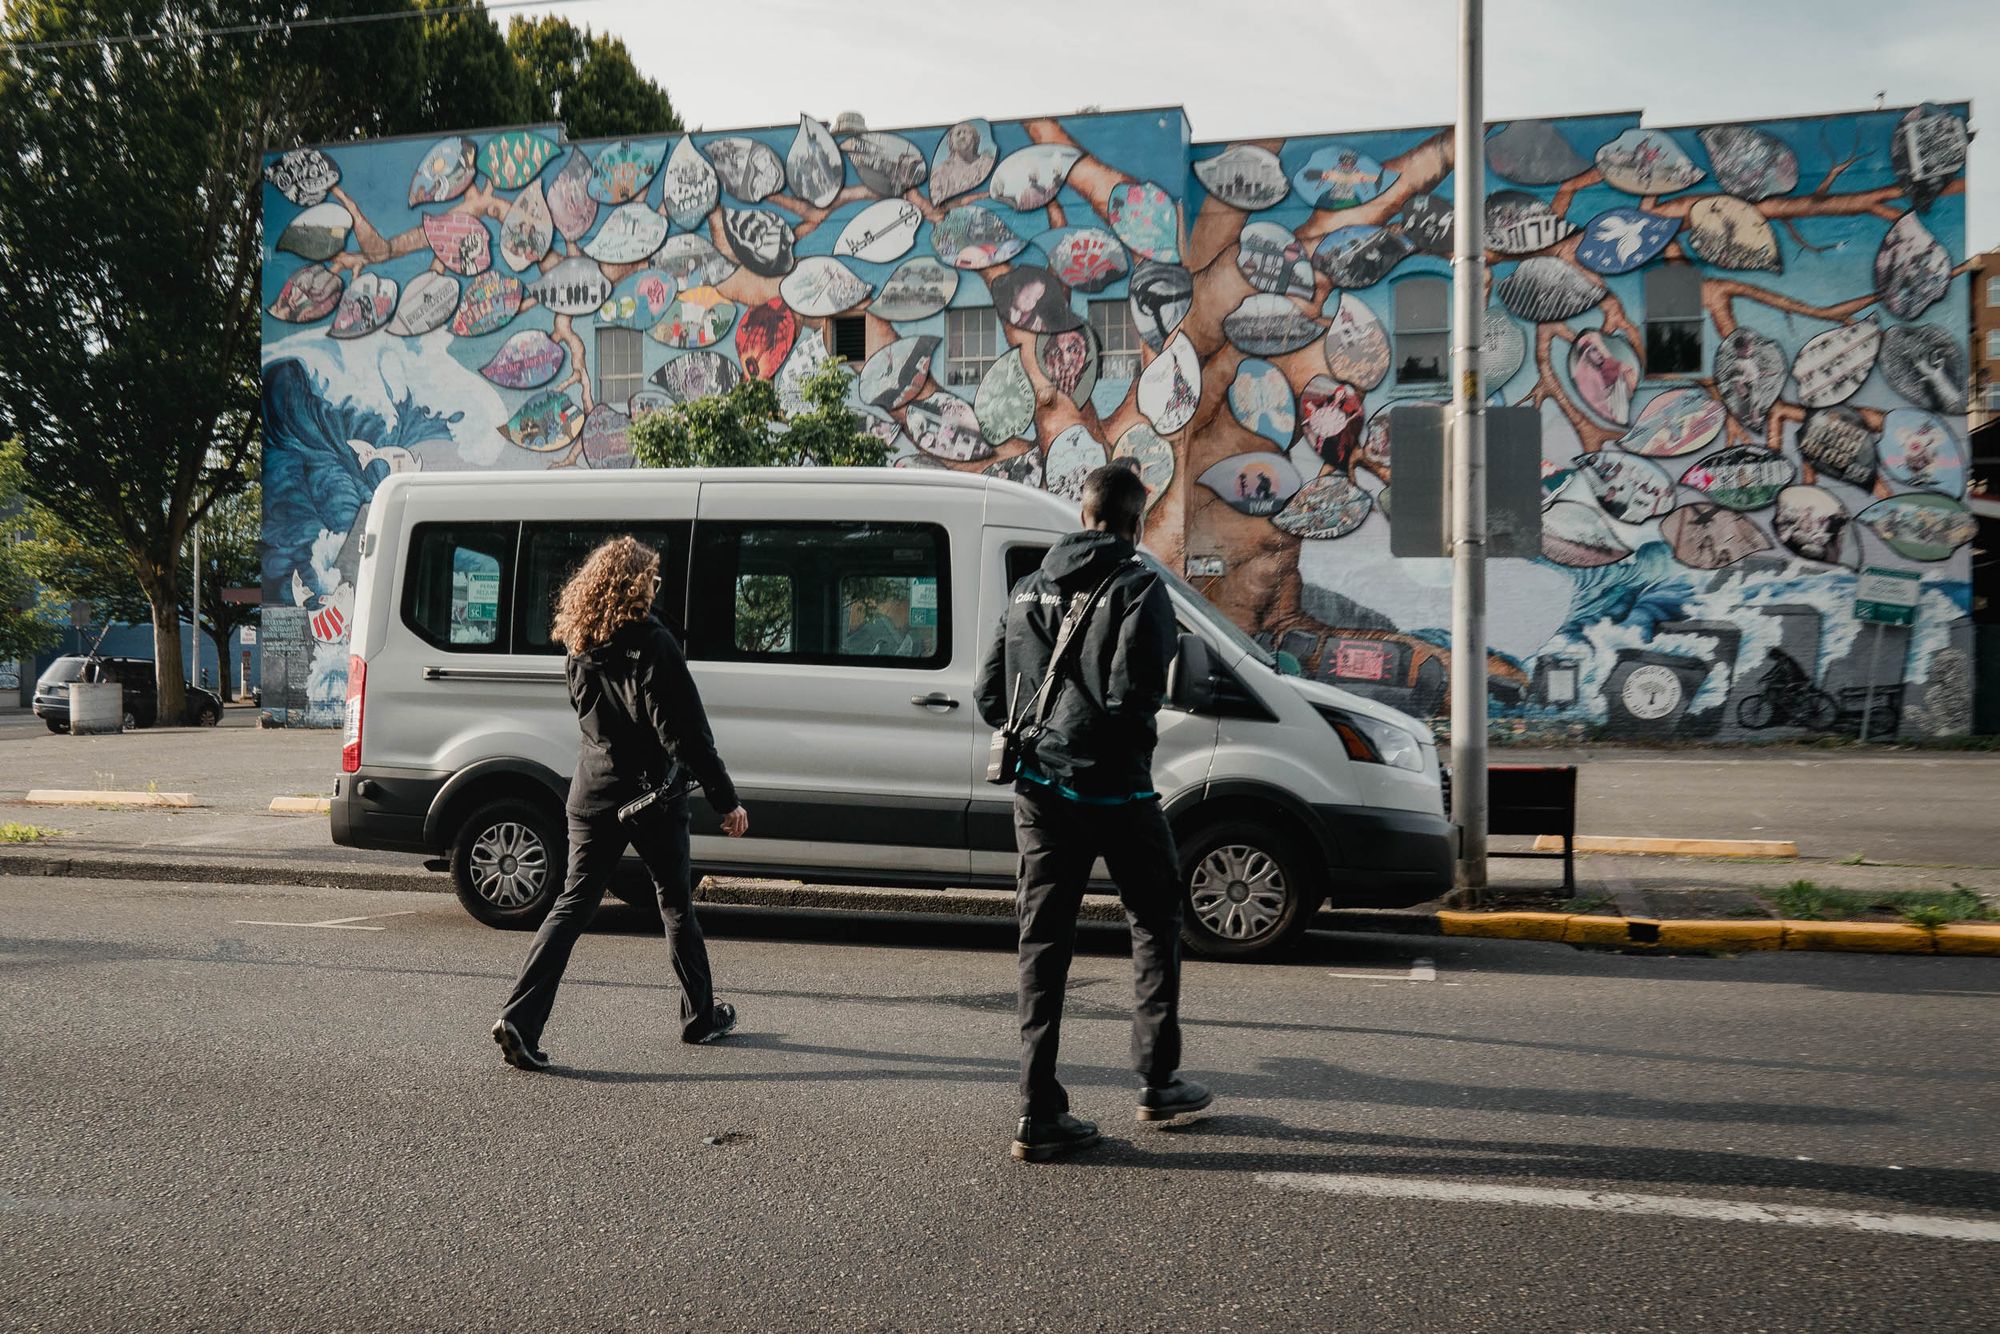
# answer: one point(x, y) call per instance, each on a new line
point(1255, 68)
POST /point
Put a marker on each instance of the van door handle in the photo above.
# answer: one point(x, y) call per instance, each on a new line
point(935, 700)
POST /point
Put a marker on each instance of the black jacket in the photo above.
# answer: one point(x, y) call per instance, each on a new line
point(1100, 736)
point(640, 713)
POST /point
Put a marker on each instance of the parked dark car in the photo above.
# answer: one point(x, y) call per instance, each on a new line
point(142, 703)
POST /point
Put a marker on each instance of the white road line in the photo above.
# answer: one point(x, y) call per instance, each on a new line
point(1421, 970)
point(337, 923)
point(1658, 1206)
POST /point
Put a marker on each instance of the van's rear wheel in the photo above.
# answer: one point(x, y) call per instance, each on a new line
point(508, 862)
point(1249, 890)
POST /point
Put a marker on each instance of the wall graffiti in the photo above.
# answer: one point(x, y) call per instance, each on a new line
point(1746, 344)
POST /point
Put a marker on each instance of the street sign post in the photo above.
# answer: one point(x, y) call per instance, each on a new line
point(1883, 597)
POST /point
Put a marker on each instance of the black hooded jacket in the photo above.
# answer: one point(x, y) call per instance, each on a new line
point(640, 714)
point(1100, 736)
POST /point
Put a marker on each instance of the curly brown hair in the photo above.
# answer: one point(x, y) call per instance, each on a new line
point(613, 587)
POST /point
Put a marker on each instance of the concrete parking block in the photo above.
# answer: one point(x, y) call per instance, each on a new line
point(60, 796)
point(1675, 847)
point(300, 805)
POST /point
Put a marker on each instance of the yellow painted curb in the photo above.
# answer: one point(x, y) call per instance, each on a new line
point(1696, 934)
point(1969, 938)
point(1675, 847)
point(1504, 925)
point(64, 796)
point(301, 805)
point(1613, 931)
point(1871, 937)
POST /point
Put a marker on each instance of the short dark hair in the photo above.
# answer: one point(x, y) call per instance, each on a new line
point(1114, 496)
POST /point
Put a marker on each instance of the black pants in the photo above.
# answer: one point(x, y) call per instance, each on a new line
point(1059, 840)
point(596, 845)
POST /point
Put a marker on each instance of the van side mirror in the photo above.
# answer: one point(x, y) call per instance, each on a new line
point(1191, 679)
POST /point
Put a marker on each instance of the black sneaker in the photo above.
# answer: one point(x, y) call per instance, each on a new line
point(514, 1048)
point(1168, 1101)
point(721, 1023)
point(1038, 1139)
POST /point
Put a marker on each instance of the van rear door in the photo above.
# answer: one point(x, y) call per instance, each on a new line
point(832, 633)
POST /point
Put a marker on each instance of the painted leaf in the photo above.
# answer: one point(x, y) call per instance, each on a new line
point(1918, 449)
point(1576, 535)
point(897, 373)
point(1749, 374)
point(1912, 270)
point(527, 360)
point(1628, 488)
point(689, 190)
point(1832, 365)
point(945, 426)
point(318, 233)
point(1709, 537)
point(1073, 456)
point(764, 338)
point(822, 286)
point(917, 290)
point(1503, 349)
point(1605, 370)
point(1244, 176)
point(1811, 522)
point(304, 175)
point(1356, 257)
point(1161, 296)
point(639, 301)
point(1273, 260)
point(1258, 483)
point(1927, 151)
point(460, 242)
point(1749, 163)
point(1268, 326)
point(1744, 478)
point(1088, 259)
point(698, 317)
point(1620, 240)
point(368, 305)
point(574, 287)
point(888, 164)
point(488, 303)
point(1546, 289)
point(813, 167)
point(546, 422)
point(1338, 176)
point(1926, 365)
point(692, 261)
point(694, 375)
point(1646, 162)
point(1357, 346)
point(1326, 507)
point(881, 232)
point(749, 169)
point(1170, 388)
point(308, 295)
point(428, 301)
point(1731, 234)
point(963, 160)
point(1151, 457)
point(606, 438)
point(621, 171)
point(1068, 361)
point(809, 353)
point(1673, 423)
point(513, 159)
point(1533, 152)
point(444, 172)
point(629, 234)
point(1921, 526)
point(1023, 469)
point(1030, 178)
point(762, 240)
point(527, 232)
point(1030, 297)
point(1519, 223)
point(1838, 443)
point(1260, 399)
point(1147, 220)
point(568, 194)
point(972, 236)
point(1005, 403)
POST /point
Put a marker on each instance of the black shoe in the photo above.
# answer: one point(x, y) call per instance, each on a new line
point(1168, 1101)
point(514, 1048)
point(1038, 1139)
point(721, 1023)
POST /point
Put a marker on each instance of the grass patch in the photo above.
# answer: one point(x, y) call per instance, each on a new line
point(1589, 903)
point(1854, 859)
point(1802, 900)
point(14, 832)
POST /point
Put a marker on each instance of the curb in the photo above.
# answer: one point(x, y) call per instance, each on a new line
point(66, 796)
point(1576, 929)
point(1674, 847)
point(301, 805)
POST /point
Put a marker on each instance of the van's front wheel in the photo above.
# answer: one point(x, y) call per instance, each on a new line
point(1249, 891)
point(508, 863)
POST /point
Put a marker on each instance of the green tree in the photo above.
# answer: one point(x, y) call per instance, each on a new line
point(587, 81)
point(129, 258)
point(470, 76)
point(229, 537)
point(24, 630)
point(745, 428)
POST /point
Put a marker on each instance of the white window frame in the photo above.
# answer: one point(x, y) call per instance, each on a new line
point(1410, 325)
point(1664, 311)
point(1993, 344)
point(973, 341)
point(615, 384)
point(1993, 290)
point(1118, 343)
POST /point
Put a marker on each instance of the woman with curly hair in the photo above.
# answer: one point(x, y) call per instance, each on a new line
point(642, 719)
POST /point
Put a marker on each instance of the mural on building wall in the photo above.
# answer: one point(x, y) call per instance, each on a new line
point(1233, 321)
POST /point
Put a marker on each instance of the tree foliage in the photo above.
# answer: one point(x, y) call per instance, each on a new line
point(745, 428)
point(586, 80)
point(24, 629)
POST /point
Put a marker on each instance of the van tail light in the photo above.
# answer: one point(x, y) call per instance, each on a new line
point(357, 685)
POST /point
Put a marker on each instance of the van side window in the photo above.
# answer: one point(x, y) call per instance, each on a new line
point(552, 550)
point(840, 594)
point(455, 588)
point(1022, 562)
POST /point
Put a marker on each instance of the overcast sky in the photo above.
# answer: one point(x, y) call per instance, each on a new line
point(1246, 68)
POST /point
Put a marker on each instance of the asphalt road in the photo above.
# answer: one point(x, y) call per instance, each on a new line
point(217, 1122)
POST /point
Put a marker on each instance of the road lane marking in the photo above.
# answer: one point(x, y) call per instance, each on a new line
point(337, 923)
point(1618, 1202)
point(1420, 970)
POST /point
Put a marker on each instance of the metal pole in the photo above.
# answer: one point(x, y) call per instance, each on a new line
point(1468, 466)
point(194, 673)
point(1874, 670)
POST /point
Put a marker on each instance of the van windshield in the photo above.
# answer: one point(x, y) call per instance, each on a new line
point(1210, 615)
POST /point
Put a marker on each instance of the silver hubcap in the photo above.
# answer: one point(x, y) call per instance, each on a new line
point(510, 865)
point(1238, 892)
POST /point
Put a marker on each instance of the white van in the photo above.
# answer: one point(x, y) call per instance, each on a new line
point(835, 619)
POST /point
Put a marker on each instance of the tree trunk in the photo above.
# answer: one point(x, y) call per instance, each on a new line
point(218, 635)
point(171, 678)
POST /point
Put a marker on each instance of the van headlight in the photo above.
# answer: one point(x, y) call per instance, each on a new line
point(1372, 741)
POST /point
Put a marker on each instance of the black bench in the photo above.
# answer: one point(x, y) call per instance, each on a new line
point(1534, 799)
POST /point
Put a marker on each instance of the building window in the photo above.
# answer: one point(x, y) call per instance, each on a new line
point(1993, 398)
point(1673, 320)
point(1423, 329)
point(1993, 290)
point(1117, 340)
point(618, 364)
point(972, 342)
point(1993, 344)
point(849, 337)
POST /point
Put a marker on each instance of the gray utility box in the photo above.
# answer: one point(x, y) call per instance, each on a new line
point(96, 707)
point(1420, 464)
